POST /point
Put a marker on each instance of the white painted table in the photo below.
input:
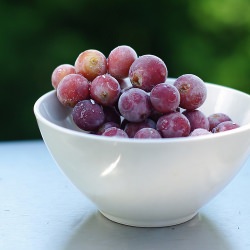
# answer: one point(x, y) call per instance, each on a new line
point(41, 210)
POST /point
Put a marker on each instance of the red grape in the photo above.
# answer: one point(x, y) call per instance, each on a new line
point(225, 126)
point(72, 89)
point(134, 105)
point(120, 60)
point(197, 119)
point(147, 133)
point(59, 73)
point(115, 132)
point(132, 127)
point(173, 124)
point(217, 118)
point(91, 63)
point(147, 71)
point(105, 126)
point(165, 98)
point(87, 115)
point(199, 131)
point(193, 91)
point(105, 90)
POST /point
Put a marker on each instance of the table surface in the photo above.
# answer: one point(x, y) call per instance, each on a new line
point(41, 210)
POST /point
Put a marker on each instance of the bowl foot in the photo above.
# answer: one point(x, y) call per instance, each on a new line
point(149, 223)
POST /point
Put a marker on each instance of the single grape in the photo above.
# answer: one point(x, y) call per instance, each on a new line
point(87, 115)
point(225, 126)
point(134, 105)
point(165, 98)
point(193, 91)
point(147, 133)
point(120, 60)
point(173, 125)
point(60, 72)
point(217, 118)
point(105, 90)
point(147, 71)
point(115, 132)
point(105, 126)
point(91, 63)
point(72, 89)
point(132, 127)
point(199, 131)
point(197, 119)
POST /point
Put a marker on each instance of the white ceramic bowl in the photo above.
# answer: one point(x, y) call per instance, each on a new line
point(149, 183)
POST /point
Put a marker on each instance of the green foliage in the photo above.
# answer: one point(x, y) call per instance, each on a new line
point(209, 38)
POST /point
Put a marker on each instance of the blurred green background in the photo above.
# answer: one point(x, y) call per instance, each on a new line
point(208, 38)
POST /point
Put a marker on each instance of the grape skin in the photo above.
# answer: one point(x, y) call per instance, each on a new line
point(120, 60)
point(134, 105)
point(193, 91)
point(87, 115)
point(72, 89)
point(147, 71)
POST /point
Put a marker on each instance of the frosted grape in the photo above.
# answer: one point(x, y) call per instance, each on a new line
point(105, 90)
point(60, 72)
point(91, 63)
point(147, 133)
point(173, 125)
point(165, 98)
point(217, 118)
point(134, 105)
point(225, 126)
point(147, 71)
point(120, 60)
point(197, 119)
point(72, 89)
point(193, 91)
point(87, 115)
point(115, 132)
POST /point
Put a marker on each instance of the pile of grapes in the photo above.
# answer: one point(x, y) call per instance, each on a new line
point(126, 95)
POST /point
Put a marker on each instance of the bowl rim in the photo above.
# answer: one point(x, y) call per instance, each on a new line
point(86, 135)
